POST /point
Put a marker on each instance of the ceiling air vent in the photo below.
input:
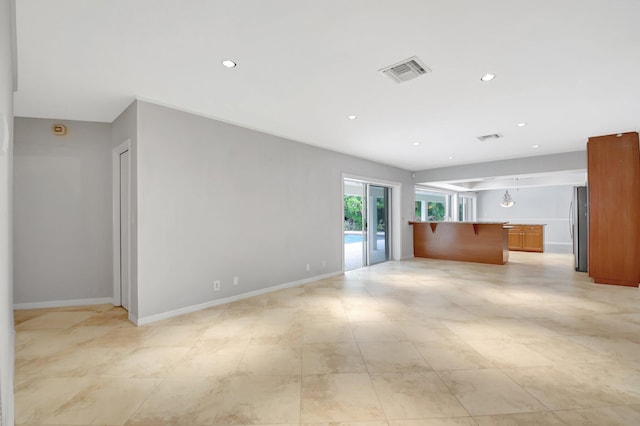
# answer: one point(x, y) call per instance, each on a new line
point(406, 70)
point(490, 137)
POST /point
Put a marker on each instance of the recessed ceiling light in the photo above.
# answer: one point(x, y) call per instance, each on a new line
point(451, 157)
point(488, 77)
point(535, 146)
point(416, 143)
point(228, 63)
point(352, 117)
point(521, 124)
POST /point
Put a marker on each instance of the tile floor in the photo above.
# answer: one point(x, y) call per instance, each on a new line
point(418, 342)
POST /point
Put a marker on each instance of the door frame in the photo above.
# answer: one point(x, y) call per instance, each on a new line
point(395, 213)
point(115, 184)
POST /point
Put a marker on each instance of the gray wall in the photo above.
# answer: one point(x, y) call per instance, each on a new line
point(217, 201)
point(125, 128)
point(7, 41)
point(543, 205)
point(62, 211)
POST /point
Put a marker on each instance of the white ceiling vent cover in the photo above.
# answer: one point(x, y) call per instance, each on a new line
point(406, 70)
point(490, 137)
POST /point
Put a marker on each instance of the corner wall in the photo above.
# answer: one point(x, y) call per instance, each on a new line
point(542, 205)
point(7, 86)
point(217, 201)
point(62, 214)
point(125, 128)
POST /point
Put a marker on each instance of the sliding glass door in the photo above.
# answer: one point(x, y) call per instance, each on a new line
point(378, 224)
point(366, 224)
point(354, 195)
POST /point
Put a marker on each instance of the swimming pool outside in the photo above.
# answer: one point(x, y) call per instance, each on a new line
point(353, 254)
point(357, 238)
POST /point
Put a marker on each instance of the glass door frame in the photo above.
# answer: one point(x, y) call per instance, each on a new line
point(394, 227)
point(357, 189)
point(372, 236)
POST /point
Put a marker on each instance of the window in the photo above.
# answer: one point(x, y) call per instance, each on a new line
point(435, 205)
point(466, 208)
point(432, 206)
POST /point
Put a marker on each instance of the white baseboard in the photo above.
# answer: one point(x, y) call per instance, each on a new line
point(558, 247)
point(63, 303)
point(193, 308)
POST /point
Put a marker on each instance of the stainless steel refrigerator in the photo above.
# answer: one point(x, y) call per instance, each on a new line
point(579, 226)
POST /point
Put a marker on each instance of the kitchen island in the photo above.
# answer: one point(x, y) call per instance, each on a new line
point(481, 242)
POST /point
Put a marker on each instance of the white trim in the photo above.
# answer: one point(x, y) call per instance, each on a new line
point(551, 247)
point(369, 180)
point(425, 188)
point(115, 190)
point(475, 208)
point(193, 308)
point(13, 37)
point(63, 303)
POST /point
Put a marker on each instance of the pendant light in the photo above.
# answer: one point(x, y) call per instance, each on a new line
point(507, 201)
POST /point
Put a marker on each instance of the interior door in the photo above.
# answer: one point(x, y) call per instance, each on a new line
point(124, 230)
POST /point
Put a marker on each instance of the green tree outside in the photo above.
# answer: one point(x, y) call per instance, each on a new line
point(352, 213)
point(435, 210)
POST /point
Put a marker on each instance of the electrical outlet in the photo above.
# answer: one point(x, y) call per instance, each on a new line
point(235, 280)
point(308, 267)
point(216, 285)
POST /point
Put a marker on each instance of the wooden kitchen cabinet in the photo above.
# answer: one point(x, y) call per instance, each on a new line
point(526, 237)
point(515, 237)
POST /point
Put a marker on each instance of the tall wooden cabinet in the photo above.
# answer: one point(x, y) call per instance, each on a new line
point(613, 170)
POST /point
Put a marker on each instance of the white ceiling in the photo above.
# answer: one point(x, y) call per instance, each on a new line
point(568, 68)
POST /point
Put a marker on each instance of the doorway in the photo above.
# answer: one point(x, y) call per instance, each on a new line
point(122, 225)
point(367, 237)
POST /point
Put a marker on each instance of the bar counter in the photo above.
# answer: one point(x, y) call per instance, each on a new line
point(481, 242)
